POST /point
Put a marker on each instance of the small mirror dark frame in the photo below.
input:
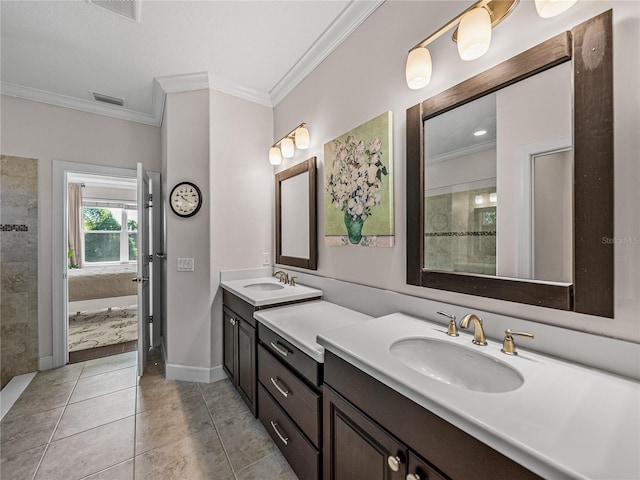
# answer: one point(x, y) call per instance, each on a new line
point(312, 262)
point(589, 47)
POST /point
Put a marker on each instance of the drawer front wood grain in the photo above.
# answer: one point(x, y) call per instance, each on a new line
point(301, 403)
point(291, 355)
point(303, 457)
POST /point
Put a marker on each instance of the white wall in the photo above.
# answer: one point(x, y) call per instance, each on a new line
point(188, 320)
point(46, 132)
point(242, 194)
point(365, 77)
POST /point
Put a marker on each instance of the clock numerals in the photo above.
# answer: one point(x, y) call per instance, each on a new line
point(185, 199)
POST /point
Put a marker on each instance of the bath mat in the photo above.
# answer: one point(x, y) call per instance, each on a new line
point(92, 329)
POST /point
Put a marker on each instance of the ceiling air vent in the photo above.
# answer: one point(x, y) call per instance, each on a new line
point(124, 8)
point(99, 97)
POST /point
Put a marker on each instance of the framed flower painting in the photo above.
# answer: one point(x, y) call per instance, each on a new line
point(358, 185)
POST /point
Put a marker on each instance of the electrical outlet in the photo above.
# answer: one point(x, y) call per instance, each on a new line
point(266, 258)
point(185, 265)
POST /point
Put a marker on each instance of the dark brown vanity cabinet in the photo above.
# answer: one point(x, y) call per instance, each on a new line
point(239, 352)
point(290, 398)
point(370, 431)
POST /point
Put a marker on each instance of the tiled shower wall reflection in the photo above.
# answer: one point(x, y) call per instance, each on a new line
point(19, 266)
point(460, 232)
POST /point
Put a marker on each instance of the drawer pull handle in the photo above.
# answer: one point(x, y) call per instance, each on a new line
point(281, 350)
point(285, 393)
point(414, 476)
point(274, 425)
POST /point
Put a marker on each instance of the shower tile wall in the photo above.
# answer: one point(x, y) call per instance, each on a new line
point(18, 266)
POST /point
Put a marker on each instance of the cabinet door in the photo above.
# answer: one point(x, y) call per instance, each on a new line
point(355, 448)
point(229, 344)
point(246, 373)
point(421, 470)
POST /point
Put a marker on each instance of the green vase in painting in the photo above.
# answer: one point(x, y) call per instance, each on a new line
point(354, 228)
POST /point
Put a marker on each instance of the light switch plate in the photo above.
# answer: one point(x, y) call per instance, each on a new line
point(185, 264)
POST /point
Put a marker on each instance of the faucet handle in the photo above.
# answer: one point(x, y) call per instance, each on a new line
point(292, 281)
point(508, 345)
point(452, 330)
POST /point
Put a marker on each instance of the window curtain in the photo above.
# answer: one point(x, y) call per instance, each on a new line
point(75, 224)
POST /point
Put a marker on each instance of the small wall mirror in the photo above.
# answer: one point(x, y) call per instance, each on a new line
point(510, 178)
point(296, 239)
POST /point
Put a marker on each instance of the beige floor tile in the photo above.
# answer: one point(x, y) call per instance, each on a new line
point(88, 452)
point(68, 373)
point(109, 364)
point(274, 466)
point(122, 471)
point(158, 427)
point(25, 432)
point(96, 385)
point(21, 466)
point(41, 398)
point(163, 393)
point(245, 440)
point(97, 411)
point(198, 456)
point(223, 400)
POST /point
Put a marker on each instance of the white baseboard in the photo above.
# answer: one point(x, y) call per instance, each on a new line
point(45, 363)
point(194, 374)
point(13, 390)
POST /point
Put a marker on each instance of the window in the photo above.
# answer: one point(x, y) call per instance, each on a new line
point(105, 239)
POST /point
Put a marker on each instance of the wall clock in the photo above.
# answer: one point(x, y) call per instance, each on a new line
point(185, 199)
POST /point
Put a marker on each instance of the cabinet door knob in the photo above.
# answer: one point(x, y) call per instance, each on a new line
point(413, 476)
point(232, 321)
point(394, 463)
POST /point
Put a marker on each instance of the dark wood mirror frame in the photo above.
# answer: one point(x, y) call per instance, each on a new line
point(312, 262)
point(589, 46)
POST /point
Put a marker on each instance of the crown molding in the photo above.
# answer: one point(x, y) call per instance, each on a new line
point(356, 12)
point(28, 93)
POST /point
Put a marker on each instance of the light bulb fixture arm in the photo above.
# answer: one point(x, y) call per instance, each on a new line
point(498, 10)
point(290, 134)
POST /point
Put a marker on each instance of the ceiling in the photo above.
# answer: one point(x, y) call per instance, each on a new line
point(60, 52)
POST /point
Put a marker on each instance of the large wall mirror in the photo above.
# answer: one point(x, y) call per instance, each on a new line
point(296, 239)
point(510, 178)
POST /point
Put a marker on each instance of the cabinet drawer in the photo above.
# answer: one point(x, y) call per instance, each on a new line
point(291, 355)
point(294, 396)
point(299, 452)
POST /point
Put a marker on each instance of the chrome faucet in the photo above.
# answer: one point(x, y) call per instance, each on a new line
point(282, 276)
point(478, 332)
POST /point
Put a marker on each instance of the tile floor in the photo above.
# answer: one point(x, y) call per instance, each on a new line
point(97, 420)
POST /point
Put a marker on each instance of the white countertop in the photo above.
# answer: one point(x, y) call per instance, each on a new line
point(260, 298)
point(565, 422)
point(302, 322)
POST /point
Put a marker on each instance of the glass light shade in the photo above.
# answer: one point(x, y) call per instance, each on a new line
point(418, 69)
point(302, 138)
point(474, 34)
point(479, 200)
point(275, 158)
point(493, 197)
point(551, 8)
point(287, 148)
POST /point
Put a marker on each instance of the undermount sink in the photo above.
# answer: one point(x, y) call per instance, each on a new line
point(462, 367)
point(264, 287)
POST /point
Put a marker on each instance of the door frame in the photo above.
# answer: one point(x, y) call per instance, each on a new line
point(60, 238)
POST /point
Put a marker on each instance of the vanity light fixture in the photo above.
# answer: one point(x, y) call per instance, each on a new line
point(479, 200)
point(493, 197)
point(473, 34)
point(551, 8)
point(285, 147)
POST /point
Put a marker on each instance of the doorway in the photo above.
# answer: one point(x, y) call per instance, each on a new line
point(95, 300)
point(102, 229)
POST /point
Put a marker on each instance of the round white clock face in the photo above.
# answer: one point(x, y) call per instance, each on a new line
point(185, 199)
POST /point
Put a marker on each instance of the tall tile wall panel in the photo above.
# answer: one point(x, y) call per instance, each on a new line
point(18, 266)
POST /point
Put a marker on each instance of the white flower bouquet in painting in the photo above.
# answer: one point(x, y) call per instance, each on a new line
point(355, 181)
